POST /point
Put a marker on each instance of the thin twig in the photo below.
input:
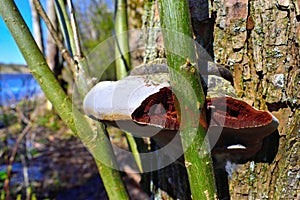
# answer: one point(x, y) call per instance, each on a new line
point(55, 34)
point(26, 177)
point(12, 158)
point(78, 52)
point(21, 115)
point(21, 136)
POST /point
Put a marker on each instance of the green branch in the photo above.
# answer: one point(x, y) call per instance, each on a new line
point(123, 63)
point(77, 51)
point(122, 45)
point(77, 122)
point(65, 23)
point(177, 35)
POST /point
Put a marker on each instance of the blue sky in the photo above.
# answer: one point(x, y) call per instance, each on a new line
point(9, 51)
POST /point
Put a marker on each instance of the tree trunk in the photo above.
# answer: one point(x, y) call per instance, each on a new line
point(259, 42)
point(52, 50)
point(36, 25)
point(54, 59)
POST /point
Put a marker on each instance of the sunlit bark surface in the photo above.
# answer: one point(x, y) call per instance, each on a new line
point(259, 42)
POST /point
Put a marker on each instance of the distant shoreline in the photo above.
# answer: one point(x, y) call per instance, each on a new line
point(16, 87)
point(13, 69)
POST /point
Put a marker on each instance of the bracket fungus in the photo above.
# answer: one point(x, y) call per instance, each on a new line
point(143, 104)
point(243, 131)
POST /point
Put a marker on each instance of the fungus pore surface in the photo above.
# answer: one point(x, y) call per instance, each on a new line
point(158, 110)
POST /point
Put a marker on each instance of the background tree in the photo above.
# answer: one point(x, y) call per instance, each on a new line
point(53, 56)
point(36, 25)
point(95, 20)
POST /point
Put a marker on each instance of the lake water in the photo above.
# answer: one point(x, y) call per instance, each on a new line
point(15, 87)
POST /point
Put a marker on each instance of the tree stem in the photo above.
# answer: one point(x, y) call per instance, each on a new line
point(186, 84)
point(121, 44)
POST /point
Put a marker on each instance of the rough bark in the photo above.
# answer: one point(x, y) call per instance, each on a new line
point(259, 42)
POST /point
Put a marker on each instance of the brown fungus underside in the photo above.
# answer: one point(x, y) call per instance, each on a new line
point(158, 110)
point(238, 114)
point(243, 124)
